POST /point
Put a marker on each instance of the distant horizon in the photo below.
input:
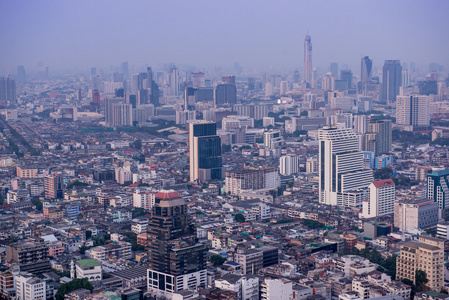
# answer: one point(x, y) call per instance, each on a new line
point(267, 37)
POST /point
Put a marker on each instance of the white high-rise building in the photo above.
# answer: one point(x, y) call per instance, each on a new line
point(273, 141)
point(29, 287)
point(144, 198)
point(381, 199)
point(283, 87)
point(360, 124)
point(412, 110)
point(288, 164)
point(276, 289)
point(328, 82)
point(174, 82)
point(343, 179)
point(405, 78)
point(123, 175)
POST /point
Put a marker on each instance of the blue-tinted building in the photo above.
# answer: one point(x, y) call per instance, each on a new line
point(383, 161)
point(368, 159)
point(73, 211)
point(438, 187)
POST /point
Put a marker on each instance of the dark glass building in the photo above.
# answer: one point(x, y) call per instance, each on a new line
point(346, 75)
point(225, 94)
point(177, 261)
point(391, 80)
point(205, 151)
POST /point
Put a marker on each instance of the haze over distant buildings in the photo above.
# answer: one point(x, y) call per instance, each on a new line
point(75, 35)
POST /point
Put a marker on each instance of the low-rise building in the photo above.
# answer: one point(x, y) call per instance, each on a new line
point(90, 269)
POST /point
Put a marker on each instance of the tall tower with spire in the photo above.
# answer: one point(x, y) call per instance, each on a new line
point(307, 78)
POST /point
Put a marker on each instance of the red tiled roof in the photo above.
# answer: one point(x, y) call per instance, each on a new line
point(383, 183)
point(170, 194)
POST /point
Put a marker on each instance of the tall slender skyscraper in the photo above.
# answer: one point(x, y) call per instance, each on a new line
point(205, 151)
point(307, 78)
point(366, 72)
point(7, 90)
point(391, 80)
point(343, 179)
point(21, 75)
point(405, 78)
point(334, 69)
point(346, 75)
point(381, 132)
point(174, 81)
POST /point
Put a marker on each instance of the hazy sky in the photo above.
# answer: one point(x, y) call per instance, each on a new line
point(260, 34)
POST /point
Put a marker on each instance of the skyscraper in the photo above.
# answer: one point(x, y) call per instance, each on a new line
point(174, 81)
point(229, 79)
point(225, 94)
point(307, 77)
point(53, 186)
point(405, 78)
point(288, 164)
point(7, 90)
point(21, 75)
point(95, 104)
point(391, 80)
point(177, 261)
point(346, 75)
point(334, 69)
point(438, 189)
point(205, 151)
point(117, 112)
point(381, 130)
point(366, 72)
point(413, 110)
point(343, 179)
point(296, 77)
point(328, 82)
point(125, 69)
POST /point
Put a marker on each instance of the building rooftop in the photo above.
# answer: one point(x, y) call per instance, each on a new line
point(87, 263)
point(383, 183)
point(416, 245)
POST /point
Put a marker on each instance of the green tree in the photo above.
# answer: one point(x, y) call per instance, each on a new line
point(420, 280)
point(137, 247)
point(138, 212)
point(83, 249)
point(225, 148)
point(384, 173)
point(37, 202)
point(217, 260)
point(137, 144)
point(73, 285)
point(240, 218)
point(88, 234)
point(312, 224)
point(75, 184)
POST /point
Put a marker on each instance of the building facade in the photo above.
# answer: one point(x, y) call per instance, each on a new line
point(381, 199)
point(426, 255)
point(307, 76)
point(205, 151)
point(343, 179)
point(391, 80)
point(177, 261)
point(413, 111)
point(437, 188)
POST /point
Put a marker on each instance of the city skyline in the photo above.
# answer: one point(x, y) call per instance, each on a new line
point(75, 36)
